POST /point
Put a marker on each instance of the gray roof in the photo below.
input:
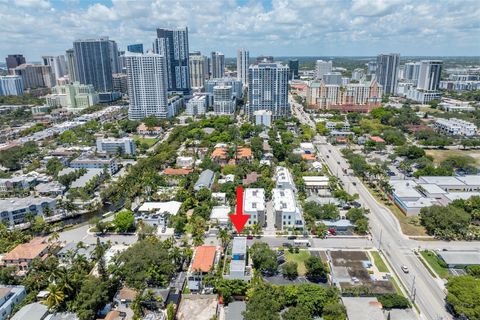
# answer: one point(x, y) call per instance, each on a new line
point(20, 203)
point(32, 311)
point(338, 223)
point(83, 180)
point(460, 257)
point(205, 179)
point(235, 309)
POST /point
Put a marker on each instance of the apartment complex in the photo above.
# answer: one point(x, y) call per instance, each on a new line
point(360, 97)
point(243, 62)
point(74, 97)
point(35, 76)
point(254, 205)
point(456, 127)
point(115, 146)
point(11, 86)
point(268, 90)
point(15, 211)
point(147, 85)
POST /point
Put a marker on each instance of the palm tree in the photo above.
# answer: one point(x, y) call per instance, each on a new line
point(55, 296)
point(224, 237)
point(54, 237)
point(257, 229)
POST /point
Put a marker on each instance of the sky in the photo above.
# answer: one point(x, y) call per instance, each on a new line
point(267, 27)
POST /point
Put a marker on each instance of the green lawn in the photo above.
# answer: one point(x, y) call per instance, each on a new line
point(299, 258)
point(435, 263)
point(148, 141)
point(377, 259)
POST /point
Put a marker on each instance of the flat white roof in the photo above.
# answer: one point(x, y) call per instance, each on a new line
point(220, 212)
point(282, 175)
point(460, 257)
point(253, 199)
point(470, 180)
point(420, 203)
point(442, 180)
point(315, 178)
point(405, 188)
point(432, 188)
point(284, 200)
point(171, 207)
point(307, 145)
point(461, 195)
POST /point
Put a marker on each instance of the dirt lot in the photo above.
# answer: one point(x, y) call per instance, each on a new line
point(348, 265)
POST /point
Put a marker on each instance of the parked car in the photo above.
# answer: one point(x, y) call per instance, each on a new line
point(356, 204)
point(287, 245)
point(292, 237)
point(249, 237)
point(405, 269)
point(332, 231)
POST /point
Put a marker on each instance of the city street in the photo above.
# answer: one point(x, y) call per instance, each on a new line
point(386, 233)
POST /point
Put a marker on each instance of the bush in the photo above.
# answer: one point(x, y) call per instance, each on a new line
point(394, 301)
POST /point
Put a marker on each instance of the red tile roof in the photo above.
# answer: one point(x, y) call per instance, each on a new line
point(377, 139)
point(308, 157)
point(27, 251)
point(176, 172)
point(204, 258)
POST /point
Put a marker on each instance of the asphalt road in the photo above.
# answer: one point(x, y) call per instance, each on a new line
point(386, 234)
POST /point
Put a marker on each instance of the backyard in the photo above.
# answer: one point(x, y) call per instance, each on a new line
point(299, 258)
point(147, 141)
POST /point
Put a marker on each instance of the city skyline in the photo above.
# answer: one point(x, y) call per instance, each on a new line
point(277, 28)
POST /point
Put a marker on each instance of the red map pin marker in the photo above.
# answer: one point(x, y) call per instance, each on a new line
point(239, 219)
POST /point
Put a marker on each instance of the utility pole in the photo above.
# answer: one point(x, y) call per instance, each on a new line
point(380, 239)
point(414, 291)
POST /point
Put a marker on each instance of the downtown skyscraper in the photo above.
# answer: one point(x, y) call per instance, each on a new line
point(387, 71)
point(198, 70)
point(217, 65)
point(147, 85)
point(173, 45)
point(268, 89)
point(429, 75)
point(93, 60)
point(243, 58)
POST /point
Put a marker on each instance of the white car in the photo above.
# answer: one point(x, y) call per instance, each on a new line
point(405, 269)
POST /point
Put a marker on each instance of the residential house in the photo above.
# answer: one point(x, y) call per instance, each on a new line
point(205, 180)
point(23, 254)
point(254, 205)
point(203, 262)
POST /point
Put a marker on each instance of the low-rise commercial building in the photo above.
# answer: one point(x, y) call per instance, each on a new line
point(413, 195)
point(254, 205)
point(116, 146)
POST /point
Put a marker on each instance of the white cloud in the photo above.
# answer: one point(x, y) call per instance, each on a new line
point(296, 27)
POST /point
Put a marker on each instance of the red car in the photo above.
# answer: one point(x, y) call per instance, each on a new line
point(250, 237)
point(332, 231)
